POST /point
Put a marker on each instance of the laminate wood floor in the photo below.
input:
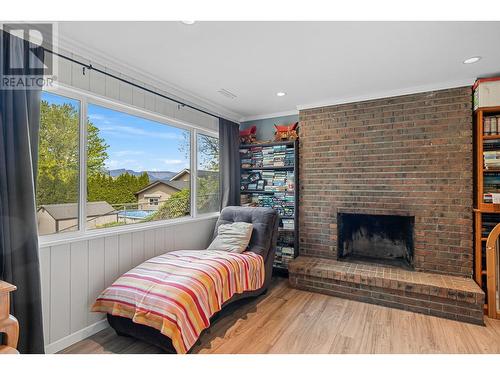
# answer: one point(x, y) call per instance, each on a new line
point(287, 320)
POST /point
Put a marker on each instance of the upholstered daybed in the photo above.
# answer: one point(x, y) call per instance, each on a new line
point(136, 309)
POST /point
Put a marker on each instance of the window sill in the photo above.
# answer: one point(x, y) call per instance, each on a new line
point(62, 238)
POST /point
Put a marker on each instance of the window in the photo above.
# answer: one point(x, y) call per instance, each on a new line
point(57, 184)
point(137, 169)
point(207, 182)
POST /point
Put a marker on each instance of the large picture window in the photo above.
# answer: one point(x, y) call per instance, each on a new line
point(135, 167)
point(138, 170)
point(57, 184)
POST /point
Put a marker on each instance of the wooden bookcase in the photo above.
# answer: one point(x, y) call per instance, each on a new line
point(486, 214)
point(261, 197)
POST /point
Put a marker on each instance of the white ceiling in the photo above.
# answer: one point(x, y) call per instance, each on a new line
point(315, 63)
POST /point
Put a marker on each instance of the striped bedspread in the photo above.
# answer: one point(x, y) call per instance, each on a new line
point(178, 292)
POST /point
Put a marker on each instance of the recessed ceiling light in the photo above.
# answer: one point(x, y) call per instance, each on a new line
point(472, 60)
point(188, 22)
point(281, 93)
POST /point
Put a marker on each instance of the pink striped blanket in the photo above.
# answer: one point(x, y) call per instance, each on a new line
point(178, 292)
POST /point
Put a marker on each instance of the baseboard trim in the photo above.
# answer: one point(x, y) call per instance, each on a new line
point(75, 337)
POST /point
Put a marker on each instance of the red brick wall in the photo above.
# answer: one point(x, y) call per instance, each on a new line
point(407, 155)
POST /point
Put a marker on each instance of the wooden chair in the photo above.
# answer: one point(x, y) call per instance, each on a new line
point(8, 324)
point(492, 272)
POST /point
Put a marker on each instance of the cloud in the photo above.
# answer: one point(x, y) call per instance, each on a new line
point(174, 161)
point(123, 153)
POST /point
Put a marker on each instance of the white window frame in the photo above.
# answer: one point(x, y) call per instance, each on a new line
point(208, 134)
point(85, 98)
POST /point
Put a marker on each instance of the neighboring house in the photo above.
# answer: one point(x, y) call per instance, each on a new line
point(152, 196)
point(55, 218)
point(183, 176)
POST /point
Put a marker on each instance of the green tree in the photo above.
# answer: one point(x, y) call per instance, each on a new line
point(58, 158)
point(176, 206)
point(102, 187)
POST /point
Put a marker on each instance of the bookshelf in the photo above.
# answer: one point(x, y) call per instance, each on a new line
point(270, 178)
point(486, 187)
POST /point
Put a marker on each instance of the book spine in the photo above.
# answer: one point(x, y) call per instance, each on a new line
point(487, 126)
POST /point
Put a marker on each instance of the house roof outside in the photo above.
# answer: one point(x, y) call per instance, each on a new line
point(177, 185)
point(180, 174)
point(66, 211)
point(173, 183)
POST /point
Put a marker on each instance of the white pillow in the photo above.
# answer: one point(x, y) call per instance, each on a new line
point(232, 237)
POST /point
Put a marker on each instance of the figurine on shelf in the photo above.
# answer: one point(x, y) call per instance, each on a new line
point(286, 132)
point(248, 135)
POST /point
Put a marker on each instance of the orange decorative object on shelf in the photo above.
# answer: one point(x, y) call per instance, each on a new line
point(286, 132)
point(248, 135)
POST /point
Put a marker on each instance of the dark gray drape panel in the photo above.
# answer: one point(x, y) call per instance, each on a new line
point(229, 160)
point(19, 263)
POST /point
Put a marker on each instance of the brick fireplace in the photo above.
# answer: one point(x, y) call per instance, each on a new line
point(410, 157)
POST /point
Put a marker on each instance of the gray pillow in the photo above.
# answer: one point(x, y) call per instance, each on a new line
point(232, 237)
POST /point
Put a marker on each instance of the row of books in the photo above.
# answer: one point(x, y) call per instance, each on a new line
point(491, 125)
point(269, 181)
point(278, 180)
point(491, 185)
point(284, 203)
point(288, 224)
point(491, 145)
point(284, 254)
point(267, 156)
point(488, 223)
point(286, 238)
point(491, 159)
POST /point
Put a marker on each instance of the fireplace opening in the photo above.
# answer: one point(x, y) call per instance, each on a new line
point(385, 239)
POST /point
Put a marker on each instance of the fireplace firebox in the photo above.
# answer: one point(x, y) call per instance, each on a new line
point(385, 239)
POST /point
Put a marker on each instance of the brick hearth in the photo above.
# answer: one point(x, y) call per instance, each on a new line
point(452, 297)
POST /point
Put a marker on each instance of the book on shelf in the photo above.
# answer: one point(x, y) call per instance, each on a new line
point(491, 145)
point(491, 125)
point(491, 198)
point(288, 223)
point(491, 159)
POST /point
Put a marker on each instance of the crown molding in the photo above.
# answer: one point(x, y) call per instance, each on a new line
point(99, 58)
point(390, 93)
point(270, 115)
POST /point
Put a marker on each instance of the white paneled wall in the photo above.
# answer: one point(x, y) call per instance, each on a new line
point(71, 74)
point(74, 273)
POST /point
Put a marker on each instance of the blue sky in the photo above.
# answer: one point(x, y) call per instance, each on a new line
point(135, 143)
point(139, 144)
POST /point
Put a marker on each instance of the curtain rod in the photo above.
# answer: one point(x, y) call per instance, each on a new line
point(90, 67)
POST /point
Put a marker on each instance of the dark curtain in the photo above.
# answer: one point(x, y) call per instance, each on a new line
point(229, 160)
point(19, 262)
